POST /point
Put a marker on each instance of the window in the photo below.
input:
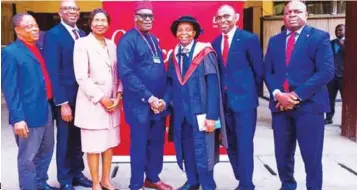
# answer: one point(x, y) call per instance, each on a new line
point(315, 7)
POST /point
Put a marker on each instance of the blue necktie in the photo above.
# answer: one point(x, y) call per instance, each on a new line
point(185, 61)
point(336, 47)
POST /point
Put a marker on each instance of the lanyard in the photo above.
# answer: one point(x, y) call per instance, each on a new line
point(156, 54)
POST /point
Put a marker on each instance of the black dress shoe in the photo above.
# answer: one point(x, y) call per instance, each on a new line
point(82, 181)
point(328, 121)
point(67, 187)
point(47, 187)
point(187, 186)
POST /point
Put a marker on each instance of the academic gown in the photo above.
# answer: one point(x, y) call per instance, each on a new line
point(189, 97)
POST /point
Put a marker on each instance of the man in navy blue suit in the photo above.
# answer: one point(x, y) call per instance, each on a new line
point(58, 53)
point(28, 94)
point(338, 49)
point(298, 66)
point(142, 72)
point(241, 66)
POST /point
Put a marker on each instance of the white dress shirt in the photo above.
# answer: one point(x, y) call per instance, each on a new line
point(70, 29)
point(230, 38)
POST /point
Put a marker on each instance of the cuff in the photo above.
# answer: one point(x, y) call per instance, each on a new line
point(275, 92)
point(18, 118)
point(298, 97)
point(212, 117)
point(62, 103)
point(96, 99)
point(151, 99)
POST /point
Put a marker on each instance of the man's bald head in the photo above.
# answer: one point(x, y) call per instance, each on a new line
point(226, 18)
point(69, 12)
point(295, 15)
point(67, 2)
point(297, 4)
point(226, 8)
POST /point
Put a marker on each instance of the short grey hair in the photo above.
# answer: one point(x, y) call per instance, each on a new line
point(16, 20)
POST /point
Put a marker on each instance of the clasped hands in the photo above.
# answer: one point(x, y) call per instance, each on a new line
point(286, 100)
point(110, 105)
point(157, 105)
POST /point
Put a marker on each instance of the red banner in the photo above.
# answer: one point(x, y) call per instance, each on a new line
point(165, 13)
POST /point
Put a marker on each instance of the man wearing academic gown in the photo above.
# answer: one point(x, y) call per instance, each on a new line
point(142, 72)
point(194, 90)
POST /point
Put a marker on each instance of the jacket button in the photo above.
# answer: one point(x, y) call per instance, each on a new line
point(143, 99)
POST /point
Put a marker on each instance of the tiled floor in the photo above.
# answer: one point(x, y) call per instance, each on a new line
point(338, 152)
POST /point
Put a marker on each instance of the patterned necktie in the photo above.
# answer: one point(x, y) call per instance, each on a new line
point(75, 34)
point(288, 53)
point(225, 49)
point(184, 61)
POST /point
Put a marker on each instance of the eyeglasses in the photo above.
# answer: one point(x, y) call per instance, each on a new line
point(69, 8)
point(220, 17)
point(145, 16)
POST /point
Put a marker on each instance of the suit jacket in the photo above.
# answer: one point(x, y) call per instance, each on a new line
point(310, 69)
point(23, 85)
point(58, 55)
point(339, 58)
point(95, 72)
point(243, 74)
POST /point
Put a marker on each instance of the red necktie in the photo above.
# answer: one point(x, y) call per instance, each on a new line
point(225, 49)
point(75, 34)
point(288, 53)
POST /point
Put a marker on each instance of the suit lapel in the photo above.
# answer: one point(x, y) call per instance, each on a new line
point(281, 48)
point(219, 48)
point(301, 43)
point(65, 33)
point(81, 33)
point(28, 52)
point(100, 50)
point(234, 44)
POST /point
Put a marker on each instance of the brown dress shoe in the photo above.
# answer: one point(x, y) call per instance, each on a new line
point(158, 185)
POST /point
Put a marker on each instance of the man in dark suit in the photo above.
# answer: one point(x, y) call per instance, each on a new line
point(58, 53)
point(28, 94)
point(338, 49)
point(298, 66)
point(241, 67)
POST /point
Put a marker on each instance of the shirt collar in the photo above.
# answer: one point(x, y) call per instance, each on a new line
point(231, 33)
point(28, 45)
point(298, 32)
point(68, 27)
point(189, 46)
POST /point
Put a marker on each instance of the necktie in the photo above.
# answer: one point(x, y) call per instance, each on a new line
point(336, 47)
point(184, 61)
point(225, 49)
point(75, 34)
point(288, 53)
